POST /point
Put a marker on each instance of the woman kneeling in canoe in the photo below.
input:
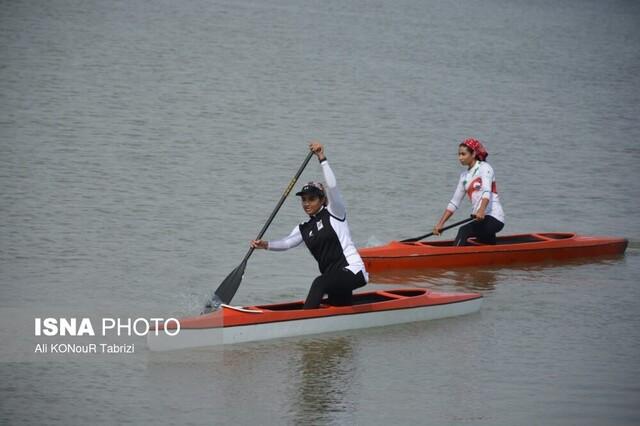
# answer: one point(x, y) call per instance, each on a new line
point(327, 237)
point(479, 183)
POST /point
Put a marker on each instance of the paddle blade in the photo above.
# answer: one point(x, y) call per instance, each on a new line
point(229, 286)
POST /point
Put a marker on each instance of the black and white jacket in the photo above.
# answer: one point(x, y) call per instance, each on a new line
point(326, 233)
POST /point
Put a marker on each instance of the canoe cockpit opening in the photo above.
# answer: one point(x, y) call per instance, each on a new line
point(358, 299)
point(558, 235)
point(512, 239)
point(282, 307)
point(407, 293)
point(362, 299)
point(432, 243)
point(517, 239)
point(529, 238)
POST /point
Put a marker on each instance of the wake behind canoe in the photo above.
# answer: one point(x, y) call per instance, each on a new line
point(370, 309)
point(509, 249)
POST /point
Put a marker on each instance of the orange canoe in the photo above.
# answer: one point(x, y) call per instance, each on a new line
point(509, 249)
point(233, 324)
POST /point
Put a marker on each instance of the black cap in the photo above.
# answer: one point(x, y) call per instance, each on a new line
point(311, 189)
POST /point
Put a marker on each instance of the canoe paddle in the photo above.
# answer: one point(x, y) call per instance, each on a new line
point(229, 286)
point(453, 225)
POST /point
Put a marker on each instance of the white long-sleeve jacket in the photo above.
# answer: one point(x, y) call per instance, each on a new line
point(478, 183)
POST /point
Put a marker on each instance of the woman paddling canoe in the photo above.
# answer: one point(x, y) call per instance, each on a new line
point(479, 183)
point(327, 237)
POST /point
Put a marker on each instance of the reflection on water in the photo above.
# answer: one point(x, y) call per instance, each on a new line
point(477, 278)
point(306, 380)
point(460, 279)
point(326, 376)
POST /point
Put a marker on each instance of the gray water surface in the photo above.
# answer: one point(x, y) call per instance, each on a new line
point(143, 144)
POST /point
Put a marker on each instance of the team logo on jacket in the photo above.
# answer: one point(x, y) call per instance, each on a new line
point(319, 225)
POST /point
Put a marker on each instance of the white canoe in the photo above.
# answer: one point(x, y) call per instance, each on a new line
point(254, 323)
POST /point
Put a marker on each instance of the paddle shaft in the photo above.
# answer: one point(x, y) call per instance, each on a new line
point(280, 203)
point(453, 225)
point(224, 289)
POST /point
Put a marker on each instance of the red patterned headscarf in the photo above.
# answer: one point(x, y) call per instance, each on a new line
point(477, 147)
